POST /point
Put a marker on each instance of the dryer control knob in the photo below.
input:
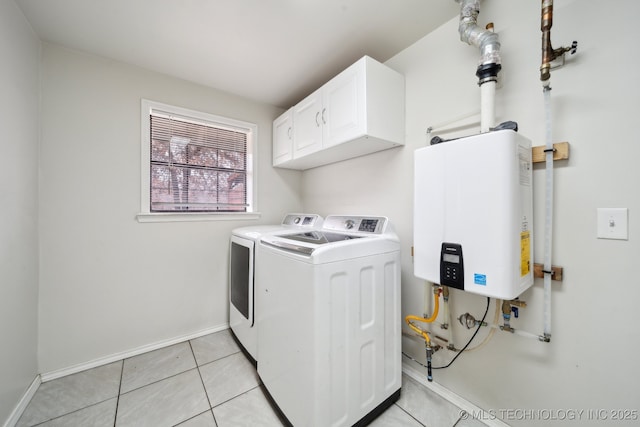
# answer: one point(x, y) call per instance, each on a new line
point(349, 224)
point(297, 220)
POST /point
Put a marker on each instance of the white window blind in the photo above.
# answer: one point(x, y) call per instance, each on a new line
point(197, 166)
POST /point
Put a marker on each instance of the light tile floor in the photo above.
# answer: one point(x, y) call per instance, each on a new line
point(203, 382)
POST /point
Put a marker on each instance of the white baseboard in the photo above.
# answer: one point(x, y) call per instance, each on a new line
point(22, 404)
point(48, 376)
point(450, 396)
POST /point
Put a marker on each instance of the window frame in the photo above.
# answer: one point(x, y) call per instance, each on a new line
point(145, 214)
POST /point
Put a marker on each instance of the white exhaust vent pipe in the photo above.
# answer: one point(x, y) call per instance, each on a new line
point(489, 64)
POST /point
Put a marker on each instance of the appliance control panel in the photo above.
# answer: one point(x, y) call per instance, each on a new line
point(359, 224)
point(451, 266)
point(302, 220)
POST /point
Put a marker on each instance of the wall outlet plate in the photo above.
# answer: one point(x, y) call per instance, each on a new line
point(613, 223)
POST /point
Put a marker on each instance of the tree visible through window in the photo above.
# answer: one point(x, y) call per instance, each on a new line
point(197, 166)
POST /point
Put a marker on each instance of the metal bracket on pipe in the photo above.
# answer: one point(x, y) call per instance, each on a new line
point(545, 338)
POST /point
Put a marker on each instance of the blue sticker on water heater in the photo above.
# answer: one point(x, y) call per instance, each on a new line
point(480, 279)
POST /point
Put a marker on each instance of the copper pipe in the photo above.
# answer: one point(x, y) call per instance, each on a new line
point(547, 51)
point(549, 54)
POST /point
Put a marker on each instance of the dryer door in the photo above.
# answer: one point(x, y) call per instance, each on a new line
point(241, 278)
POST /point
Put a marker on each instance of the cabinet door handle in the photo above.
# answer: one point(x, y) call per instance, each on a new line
point(317, 122)
point(324, 121)
point(289, 132)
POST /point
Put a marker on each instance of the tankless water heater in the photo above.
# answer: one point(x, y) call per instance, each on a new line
point(473, 214)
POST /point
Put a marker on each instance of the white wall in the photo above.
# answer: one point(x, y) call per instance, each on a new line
point(19, 55)
point(590, 363)
point(108, 283)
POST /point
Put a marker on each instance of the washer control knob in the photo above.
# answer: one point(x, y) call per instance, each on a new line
point(349, 224)
point(296, 220)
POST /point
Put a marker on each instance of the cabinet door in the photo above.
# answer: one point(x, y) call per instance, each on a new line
point(307, 132)
point(344, 109)
point(283, 138)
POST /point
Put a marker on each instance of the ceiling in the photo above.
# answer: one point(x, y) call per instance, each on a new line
point(271, 51)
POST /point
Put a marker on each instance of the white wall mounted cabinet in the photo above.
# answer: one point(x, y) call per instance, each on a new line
point(360, 111)
point(283, 137)
point(307, 130)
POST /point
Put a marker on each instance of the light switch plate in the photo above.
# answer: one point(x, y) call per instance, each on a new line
point(613, 223)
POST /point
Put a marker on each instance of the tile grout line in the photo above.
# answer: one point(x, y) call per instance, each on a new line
point(205, 388)
point(218, 359)
point(195, 416)
point(237, 395)
point(85, 407)
point(202, 382)
point(69, 413)
point(115, 416)
point(409, 413)
point(160, 380)
point(138, 387)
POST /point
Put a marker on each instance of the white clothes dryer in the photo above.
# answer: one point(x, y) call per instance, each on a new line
point(243, 276)
point(330, 321)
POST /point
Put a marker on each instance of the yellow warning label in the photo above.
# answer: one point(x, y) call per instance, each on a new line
point(525, 253)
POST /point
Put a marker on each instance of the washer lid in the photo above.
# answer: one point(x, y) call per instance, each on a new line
point(310, 241)
point(291, 221)
point(321, 237)
point(341, 237)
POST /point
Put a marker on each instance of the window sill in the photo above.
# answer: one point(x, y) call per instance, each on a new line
point(196, 216)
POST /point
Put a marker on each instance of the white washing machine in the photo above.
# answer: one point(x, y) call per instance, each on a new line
point(330, 321)
point(243, 275)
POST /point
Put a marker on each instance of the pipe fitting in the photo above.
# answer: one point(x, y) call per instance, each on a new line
point(485, 39)
point(506, 316)
point(429, 351)
point(549, 54)
point(518, 303)
point(506, 308)
point(468, 321)
point(488, 73)
point(545, 338)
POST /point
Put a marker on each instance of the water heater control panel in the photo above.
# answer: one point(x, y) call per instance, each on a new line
point(451, 266)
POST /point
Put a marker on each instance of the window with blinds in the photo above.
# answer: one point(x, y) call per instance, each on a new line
point(198, 165)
